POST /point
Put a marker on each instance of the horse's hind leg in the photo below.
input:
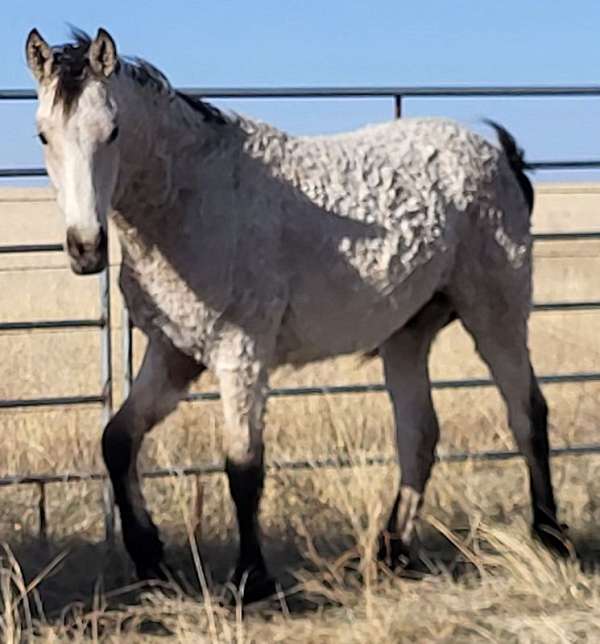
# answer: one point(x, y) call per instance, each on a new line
point(405, 358)
point(162, 380)
point(499, 329)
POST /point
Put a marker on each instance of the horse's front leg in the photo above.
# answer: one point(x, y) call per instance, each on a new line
point(161, 382)
point(243, 391)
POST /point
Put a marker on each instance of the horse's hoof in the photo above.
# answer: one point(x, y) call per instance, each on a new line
point(402, 559)
point(153, 567)
point(393, 552)
point(555, 538)
point(252, 585)
point(146, 550)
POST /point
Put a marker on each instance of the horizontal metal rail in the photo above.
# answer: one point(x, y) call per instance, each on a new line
point(567, 164)
point(404, 91)
point(303, 391)
point(590, 164)
point(567, 306)
point(362, 92)
point(51, 324)
point(60, 401)
point(13, 173)
point(583, 235)
point(57, 248)
point(467, 383)
point(31, 248)
point(574, 236)
point(275, 466)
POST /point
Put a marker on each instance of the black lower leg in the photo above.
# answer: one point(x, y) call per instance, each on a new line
point(140, 535)
point(250, 576)
point(397, 545)
point(393, 518)
point(545, 522)
point(538, 455)
point(246, 485)
point(392, 551)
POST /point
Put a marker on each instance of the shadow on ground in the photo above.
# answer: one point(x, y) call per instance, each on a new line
point(78, 569)
point(86, 569)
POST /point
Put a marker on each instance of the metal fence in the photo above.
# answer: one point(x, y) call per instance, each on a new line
point(103, 323)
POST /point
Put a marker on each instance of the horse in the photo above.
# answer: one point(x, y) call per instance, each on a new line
point(245, 248)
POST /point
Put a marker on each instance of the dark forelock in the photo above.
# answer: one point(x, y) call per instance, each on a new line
point(70, 64)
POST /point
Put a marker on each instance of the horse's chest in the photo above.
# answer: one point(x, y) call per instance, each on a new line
point(160, 301)
point(199, 320)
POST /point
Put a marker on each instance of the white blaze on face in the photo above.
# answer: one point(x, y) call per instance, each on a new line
point(77, 123)
point(81, 158)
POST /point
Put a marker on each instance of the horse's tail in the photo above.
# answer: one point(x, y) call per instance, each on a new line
point(516, 160)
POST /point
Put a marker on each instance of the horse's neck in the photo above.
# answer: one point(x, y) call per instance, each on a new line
point(170, 149)
point(180, 177)
point(163, 144)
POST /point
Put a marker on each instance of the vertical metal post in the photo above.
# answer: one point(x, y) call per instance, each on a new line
point(127, 349)
point(107, 393)
point(397, 105)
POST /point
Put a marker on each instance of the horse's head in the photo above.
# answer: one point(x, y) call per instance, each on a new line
point(77, 121)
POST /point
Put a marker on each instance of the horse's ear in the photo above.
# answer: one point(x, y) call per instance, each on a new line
point(103, 54)
point(39, 56)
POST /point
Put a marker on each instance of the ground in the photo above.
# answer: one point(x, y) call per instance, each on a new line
point(493, 583)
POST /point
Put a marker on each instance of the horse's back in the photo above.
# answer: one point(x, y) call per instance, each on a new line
point(398, 203)
point(405, 175)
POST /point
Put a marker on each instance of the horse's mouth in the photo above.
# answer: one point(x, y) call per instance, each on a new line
point(90, 266)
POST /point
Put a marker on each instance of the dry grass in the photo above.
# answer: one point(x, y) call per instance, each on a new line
point(494, 583)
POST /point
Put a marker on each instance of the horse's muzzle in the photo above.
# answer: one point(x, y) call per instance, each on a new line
point(87, 257)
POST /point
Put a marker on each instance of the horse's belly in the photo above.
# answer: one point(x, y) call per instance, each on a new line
point(335, 333)
point(331, 320)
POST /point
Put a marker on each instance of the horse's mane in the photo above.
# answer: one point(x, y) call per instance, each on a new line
point(71, 65)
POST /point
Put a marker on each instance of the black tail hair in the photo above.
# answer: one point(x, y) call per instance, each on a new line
point(516, 160)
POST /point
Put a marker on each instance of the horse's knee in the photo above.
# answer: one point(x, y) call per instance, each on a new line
point(241, 451)
point(242, 439)
point(246, 482)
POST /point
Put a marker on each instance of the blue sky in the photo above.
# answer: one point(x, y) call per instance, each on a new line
point(334, 42)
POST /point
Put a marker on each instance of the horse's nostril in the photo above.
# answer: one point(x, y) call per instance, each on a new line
point(75, 246)
point(78, 248)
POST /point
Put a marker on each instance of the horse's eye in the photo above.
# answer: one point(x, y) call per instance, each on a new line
point(42, 138)
point(113, 135)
